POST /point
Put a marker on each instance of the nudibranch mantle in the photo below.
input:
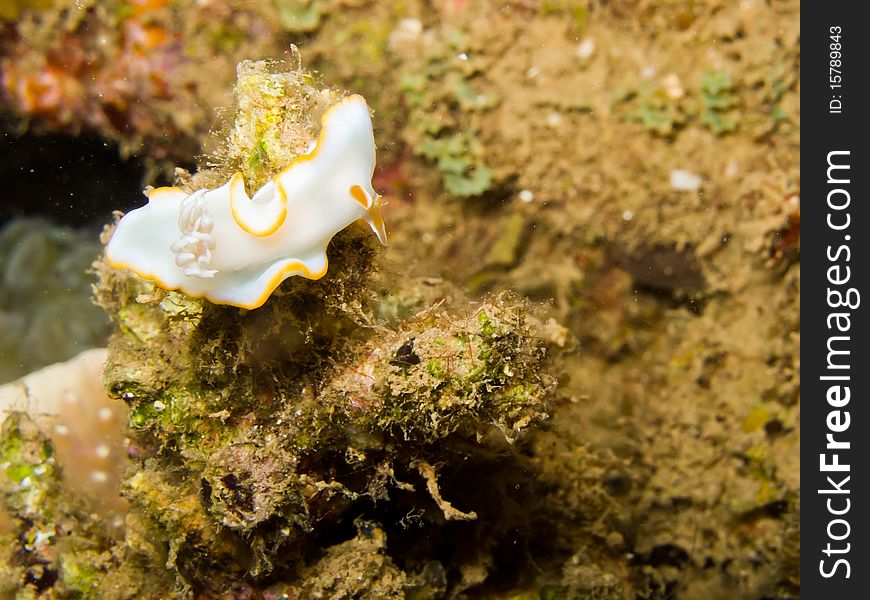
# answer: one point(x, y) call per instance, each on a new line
point(231, 249)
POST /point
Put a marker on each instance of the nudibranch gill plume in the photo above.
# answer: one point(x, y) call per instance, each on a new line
point(232, 249)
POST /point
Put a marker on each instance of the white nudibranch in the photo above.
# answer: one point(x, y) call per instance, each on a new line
point(231, 249)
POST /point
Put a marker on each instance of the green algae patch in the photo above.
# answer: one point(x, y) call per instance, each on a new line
point(444, 96)
point(277, 117)
point(29, 476)
point(81, 574)
point(718, 102)
point(504, 250)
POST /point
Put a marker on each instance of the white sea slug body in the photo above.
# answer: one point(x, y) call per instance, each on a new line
point(231, 249)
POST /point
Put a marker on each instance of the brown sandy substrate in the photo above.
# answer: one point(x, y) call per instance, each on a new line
point(685, 303)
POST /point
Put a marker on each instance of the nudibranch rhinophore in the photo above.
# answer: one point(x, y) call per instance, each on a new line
point(231, 249)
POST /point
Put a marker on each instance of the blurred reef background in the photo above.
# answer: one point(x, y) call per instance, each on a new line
point(574, 373)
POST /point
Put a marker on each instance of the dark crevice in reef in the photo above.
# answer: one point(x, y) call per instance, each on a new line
point(502, 487)
point(667, 273)
point(73, 180)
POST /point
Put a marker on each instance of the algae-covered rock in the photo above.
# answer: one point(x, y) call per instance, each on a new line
point(54, 548)
point(29, 479)
point(255, 429)
point(260, 437)
point(444, 372)
point(357, 568)
point(277, 116)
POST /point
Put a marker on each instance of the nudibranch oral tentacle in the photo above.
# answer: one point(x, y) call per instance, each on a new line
point(372, 204)
point(233, 249)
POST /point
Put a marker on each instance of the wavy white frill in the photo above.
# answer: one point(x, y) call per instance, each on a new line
point(232, 249)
